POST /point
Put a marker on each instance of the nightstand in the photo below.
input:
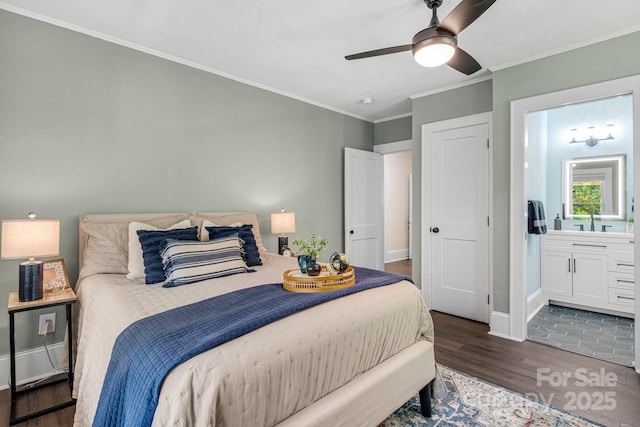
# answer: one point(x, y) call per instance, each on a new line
point(65, 297)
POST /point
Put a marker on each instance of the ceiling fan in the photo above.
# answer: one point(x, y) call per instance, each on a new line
point(438, 44)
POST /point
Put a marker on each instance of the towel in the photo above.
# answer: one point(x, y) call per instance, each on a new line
point(537, 223)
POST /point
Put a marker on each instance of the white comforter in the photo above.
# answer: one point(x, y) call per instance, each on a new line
point(263, 377)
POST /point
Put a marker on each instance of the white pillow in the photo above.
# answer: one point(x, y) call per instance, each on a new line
point(204, 233)
point(105, 250)
point(136, 263)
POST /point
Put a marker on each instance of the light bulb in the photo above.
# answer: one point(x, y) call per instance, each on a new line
point(434, 51)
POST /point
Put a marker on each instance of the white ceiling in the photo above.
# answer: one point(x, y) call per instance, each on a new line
point(297, 48)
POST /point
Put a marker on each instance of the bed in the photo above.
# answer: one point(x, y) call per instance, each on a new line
point(349, 361)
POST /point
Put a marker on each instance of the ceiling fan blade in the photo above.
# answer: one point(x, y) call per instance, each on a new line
point(378, 52)
point(464, 62)
point(464, 14)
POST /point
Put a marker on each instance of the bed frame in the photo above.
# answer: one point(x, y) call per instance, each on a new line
point(366, 399)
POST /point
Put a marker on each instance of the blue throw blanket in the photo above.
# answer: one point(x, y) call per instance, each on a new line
point(148, 349)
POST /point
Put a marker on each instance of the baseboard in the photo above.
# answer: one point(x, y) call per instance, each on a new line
point(398, 255)
point(535, 302)
point(499, 324)
point(31, 364)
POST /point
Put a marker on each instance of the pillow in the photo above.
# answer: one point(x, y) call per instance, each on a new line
point(152, 243)
point(251, 253)
point(227, 218)
point(188, 262)
point(204, 233)
point(136, 264)
point(105, 250)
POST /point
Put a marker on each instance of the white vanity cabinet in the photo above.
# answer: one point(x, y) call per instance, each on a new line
point(589, 269)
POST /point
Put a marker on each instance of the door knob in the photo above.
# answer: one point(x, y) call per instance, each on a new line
point(435, 230)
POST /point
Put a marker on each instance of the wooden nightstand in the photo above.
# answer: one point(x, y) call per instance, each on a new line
point(66, 297)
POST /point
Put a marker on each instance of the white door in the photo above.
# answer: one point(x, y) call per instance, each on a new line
point(363, 208)
point(456, 216)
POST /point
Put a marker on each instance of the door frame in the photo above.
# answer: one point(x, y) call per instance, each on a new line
point(390, 148)
point(518, 206)
point(427, 130)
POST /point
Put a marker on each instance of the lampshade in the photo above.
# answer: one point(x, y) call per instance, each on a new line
point(283, 222)
point(30, 238)
point(435, 50)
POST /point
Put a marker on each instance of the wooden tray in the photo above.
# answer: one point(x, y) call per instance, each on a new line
point(296, 281)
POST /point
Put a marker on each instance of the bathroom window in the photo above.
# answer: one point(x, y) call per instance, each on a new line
point(587, 198)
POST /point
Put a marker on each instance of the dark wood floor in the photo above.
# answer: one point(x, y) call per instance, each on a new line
point(399, 267)
point(531, 369)
point(39, 400)
point(464, 345)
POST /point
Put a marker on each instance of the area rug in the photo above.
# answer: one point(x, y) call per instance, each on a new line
point(461, 400)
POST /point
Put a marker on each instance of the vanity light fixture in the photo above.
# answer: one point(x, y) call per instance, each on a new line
point(592, 141)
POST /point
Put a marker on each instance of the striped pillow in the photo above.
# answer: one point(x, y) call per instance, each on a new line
point(251, 254)
point(192, 261)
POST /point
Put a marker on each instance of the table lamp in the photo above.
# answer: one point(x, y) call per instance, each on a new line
point(282, 223)
point(30, 238)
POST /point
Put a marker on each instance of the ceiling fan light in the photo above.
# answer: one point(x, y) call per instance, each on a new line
point(434, 51)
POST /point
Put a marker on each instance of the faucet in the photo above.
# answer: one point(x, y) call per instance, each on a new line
point(593, 226)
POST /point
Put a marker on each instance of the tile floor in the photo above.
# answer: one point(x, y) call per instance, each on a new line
point(599, 335)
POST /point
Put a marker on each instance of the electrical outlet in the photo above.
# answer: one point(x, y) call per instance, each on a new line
point(47, 323)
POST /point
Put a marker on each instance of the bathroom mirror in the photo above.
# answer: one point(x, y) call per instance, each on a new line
point(594, 185)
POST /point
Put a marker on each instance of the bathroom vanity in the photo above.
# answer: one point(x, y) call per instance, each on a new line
point(586, 269)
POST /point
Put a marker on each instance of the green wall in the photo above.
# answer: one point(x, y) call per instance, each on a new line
point(392, 130)
point(87, 126)
point(608, 60)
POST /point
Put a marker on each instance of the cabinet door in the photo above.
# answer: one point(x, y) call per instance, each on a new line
point(590, 279)
point(556, 272)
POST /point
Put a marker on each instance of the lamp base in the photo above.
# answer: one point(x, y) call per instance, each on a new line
point(282, 242)
point(30, 281)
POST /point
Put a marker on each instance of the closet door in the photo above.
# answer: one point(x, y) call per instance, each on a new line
point(458, 220)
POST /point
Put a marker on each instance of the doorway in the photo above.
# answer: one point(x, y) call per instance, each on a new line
point(580, 162)
point(398, 203)
point(519, 301)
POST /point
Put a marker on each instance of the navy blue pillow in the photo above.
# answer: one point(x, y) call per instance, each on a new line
point(152, 244)
point(251, 254)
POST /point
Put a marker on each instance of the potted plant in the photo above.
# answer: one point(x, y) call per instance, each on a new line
point(310, 250)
